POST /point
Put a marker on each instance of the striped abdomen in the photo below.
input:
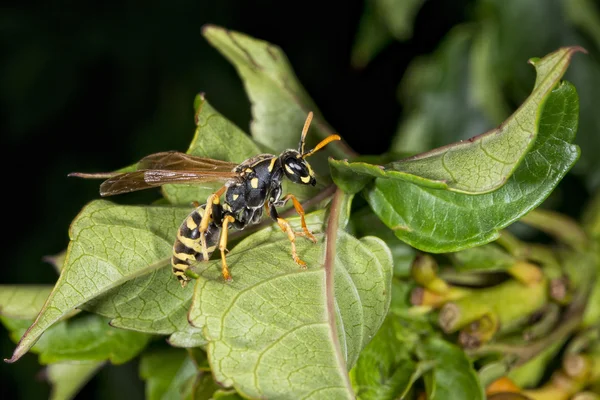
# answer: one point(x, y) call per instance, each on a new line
point(187, 248)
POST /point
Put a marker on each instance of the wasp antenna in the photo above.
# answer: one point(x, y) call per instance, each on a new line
point(322, 144)
point(309, 118)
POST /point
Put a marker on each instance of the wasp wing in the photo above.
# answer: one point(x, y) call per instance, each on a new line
point(145, 179)
point(174, 160)
point(164, 168)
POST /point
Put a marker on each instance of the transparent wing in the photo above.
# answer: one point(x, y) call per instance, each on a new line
point(174, 160)
point(145, 179)
point(164, 168)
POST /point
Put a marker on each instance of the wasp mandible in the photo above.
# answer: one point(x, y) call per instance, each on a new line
point(250, 188)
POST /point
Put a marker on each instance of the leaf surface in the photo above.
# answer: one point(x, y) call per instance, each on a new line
point(166, 372)
point(22, 302)
point(483, 163)
point(441, 221)
point(110, 245)
point(279, 102)
point(67, 378)
point(453, 376)
point(217, 138)
point(385, 367)
point(269, 332)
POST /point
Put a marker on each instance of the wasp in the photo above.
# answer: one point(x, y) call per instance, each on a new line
point(250, 189)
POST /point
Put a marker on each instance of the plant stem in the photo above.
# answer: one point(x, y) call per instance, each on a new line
point(509, 301)
point(559, 226)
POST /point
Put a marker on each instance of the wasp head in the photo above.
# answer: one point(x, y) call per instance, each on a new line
point(296, 168)
point(294, 163)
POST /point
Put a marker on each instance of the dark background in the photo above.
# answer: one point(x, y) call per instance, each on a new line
point(87, 87)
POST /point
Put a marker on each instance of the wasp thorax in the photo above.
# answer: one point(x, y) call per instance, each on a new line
point(296, 168)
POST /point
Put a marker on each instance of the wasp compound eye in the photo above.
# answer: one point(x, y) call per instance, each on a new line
point(298, 171)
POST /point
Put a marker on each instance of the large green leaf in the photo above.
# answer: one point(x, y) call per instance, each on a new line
point(110, 245)
point(85, 338)
point(279, 102)
point(441, 221)
point(453, 376)
point(271, 332)
point(507, 25)
point(67, 378)
point(22, 302)
point(483, 163)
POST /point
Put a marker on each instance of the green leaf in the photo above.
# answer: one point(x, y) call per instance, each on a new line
point(110, 245)
point(67, 378)
point(372, 36)
point(441, 221)
point(502, 24)
point(22, 302)
point(279, 102)
point(385, 367)
point(483, 163)
point(218, 138)
point(215, 137)
point(167, 373)
point(270, 331)
point(365, 223)
point(453, 376)
point(84, 338)
point(382, 21)
point(489, 257)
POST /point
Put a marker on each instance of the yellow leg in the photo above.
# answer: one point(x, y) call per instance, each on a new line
point(306, 233)
point(287, 229)
point(223, 247)
point(212, 199)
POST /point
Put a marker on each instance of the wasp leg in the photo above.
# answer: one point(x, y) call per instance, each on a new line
point(286, 228)
point(306, 233)
point(223, 247)
point(206, 218)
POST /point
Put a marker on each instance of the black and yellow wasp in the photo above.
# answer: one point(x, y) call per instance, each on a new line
point(250, 188)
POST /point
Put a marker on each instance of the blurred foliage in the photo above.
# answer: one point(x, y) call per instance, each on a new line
point(96, 87)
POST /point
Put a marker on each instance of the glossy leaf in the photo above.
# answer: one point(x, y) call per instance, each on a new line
point(110, 245)
point(67, 378)
point(453, 376)
point(269, 331)
point(279, 102)
point(442, 221)
point(483, 163)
